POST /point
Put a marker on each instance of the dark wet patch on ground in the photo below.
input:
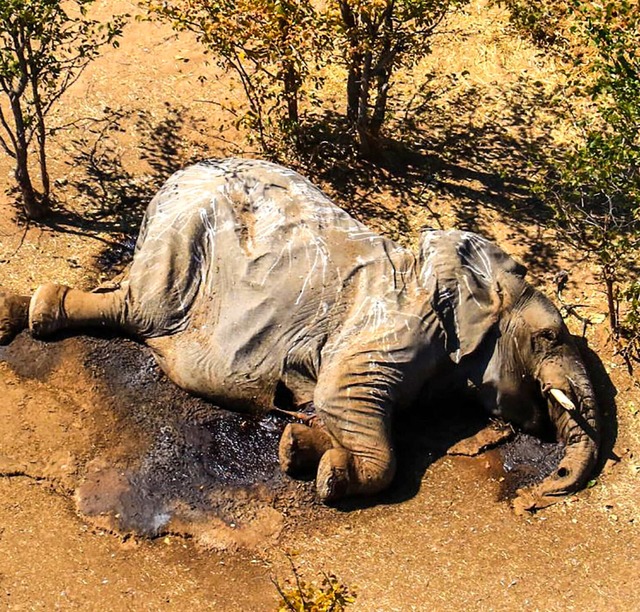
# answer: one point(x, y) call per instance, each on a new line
point(32, 358)
point(526, 461)
point(197, 459)
point(522, 462)
point(174, 462)
point(171, 460)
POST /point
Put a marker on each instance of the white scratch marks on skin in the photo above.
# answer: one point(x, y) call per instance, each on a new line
point(518, 351)
point(287, 248)
point(210, 230)
point(471, 292)
point(268, 216)
point(359, 233)
point(483, 268)
point(382, 322)
point(321, 258)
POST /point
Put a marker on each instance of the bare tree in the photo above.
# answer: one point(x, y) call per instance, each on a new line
point(378, 37)
point(44, 46)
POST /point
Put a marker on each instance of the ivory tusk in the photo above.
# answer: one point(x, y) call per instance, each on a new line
point(562, 399)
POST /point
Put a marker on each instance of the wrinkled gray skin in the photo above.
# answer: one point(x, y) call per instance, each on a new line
point(247, 280)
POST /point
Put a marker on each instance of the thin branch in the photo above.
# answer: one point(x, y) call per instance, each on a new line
point(7, 127)
point(282, 594)
point(297, 577)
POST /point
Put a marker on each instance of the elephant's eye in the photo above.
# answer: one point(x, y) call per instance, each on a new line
point(545, 338)
point(549, 334)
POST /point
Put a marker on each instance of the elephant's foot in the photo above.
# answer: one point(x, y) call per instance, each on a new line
point(301, 448)
point(14, 316)
point(334, 475)
point(46, 310)
point(342, 473)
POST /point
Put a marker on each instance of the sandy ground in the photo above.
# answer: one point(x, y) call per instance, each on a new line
point(79, 417)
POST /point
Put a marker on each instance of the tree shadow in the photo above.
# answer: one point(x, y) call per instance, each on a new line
point(112, 198)
point(381, 191)
point(423, 436)
point(444, 167)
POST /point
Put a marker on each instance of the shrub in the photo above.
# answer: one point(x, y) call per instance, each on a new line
point(298, 595)
point(594, 186)
point(269, 44)
point(44, 46)
point(376, 37)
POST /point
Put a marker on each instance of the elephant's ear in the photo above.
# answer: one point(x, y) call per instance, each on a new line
point(470, 281)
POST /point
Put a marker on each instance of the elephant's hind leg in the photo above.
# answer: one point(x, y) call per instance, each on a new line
point(14, 316)
point(55, 307)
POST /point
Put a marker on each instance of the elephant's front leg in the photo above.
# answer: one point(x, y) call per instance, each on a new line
point(14, 316)
point(357, 413)
point(302, 447)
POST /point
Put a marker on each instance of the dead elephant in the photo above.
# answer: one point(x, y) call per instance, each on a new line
point(247, 281)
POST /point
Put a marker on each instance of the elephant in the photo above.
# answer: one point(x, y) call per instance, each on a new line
point(254, 290)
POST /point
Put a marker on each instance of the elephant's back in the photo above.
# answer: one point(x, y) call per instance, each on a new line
point(248, 268)
point(239, 226)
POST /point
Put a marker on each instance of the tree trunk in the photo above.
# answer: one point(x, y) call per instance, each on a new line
point(40, 130)
point(366, 139)
point(380, 108)
point(383, 71)
point(41, 135)
point(611, 300)
point(354, 79)
point(33, 207)
point(291, 86)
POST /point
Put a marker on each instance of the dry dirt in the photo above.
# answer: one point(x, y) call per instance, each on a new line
point(118, 491)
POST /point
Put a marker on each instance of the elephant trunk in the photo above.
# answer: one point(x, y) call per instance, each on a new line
point(574, 413)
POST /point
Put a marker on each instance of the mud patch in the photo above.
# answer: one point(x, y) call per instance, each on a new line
point(522, 462)
point(165, 461)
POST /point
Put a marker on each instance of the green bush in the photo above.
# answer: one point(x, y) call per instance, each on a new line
point(593, 187)
point(631, 322)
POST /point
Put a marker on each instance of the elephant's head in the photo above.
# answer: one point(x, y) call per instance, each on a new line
point(513, 350)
